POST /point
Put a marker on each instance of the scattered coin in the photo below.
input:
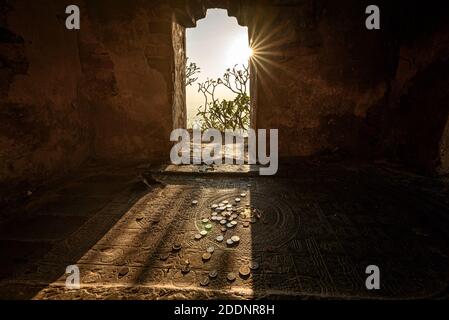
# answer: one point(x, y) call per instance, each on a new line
point(244, 271)
point(229, 242)
point(205, 221)
point(235, 239)
point(123, 271)
point(243, 195)
point(229, 206)
point(223, 222)
point(185, 269)
point(225, 202)
point(210, 249)
point(205, 282)
point(208, 227)
point(194, 202)
point(238, 199)
point(198, 236)
point(230, 225)
point(220, 238)
point(254, 265)
point(164, 256)
point(213, 274)
point(203, 233)
point(214, 206)
point(207, 256)
point(224, 229)
point(231, 276)
point(234, 223)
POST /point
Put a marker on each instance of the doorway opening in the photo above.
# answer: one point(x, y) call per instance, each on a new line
point(218, 74)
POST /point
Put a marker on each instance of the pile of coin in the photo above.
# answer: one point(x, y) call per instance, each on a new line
point(226, 216)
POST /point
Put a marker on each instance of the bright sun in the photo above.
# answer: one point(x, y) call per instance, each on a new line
point(239, 52)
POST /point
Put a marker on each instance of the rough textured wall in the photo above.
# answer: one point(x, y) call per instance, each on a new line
point(129, 57)
point(416, 120)
point(179, 93)
point(44, 130)
point(321, 74)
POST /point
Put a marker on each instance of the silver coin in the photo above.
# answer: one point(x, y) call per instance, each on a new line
point(243, 195)
point(231, 276)
point(223, 222)
point(238, 199)
point(208, 227)
point(210, 249)
point(235, 239)
point(230, 225)
point(194, 202)
point(234, 223)
point(214, 206)
point(254, 265)
point(205, 221)
point(203, 233)
point(198, 236)
point(220, 239)
point(225, 202)
point(213, 274)
point(205, 282)
point(229, 242)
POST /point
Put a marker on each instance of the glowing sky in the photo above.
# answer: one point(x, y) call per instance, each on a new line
point(217, 43)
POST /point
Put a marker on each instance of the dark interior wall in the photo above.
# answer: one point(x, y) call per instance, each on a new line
point(416, 118)
point(321, 75)
point(128, 58)
point(44, 129)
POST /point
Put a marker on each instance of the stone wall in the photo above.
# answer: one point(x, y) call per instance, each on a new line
point(44, 129)
point(133, 65)
point(416, 118)
point(179, 93)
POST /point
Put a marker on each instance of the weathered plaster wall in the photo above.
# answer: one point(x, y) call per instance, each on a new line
point(320, 75)
point(44, 130)
point(132, 61)
point(179, 94)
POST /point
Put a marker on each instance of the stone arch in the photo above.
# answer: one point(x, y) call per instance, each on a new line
point(186, 15)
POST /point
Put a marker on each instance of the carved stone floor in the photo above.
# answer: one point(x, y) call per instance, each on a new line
point(321, 226)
